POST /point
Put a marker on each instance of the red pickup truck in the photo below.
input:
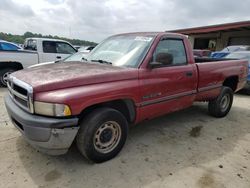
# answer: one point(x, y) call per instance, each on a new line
point(126, 79)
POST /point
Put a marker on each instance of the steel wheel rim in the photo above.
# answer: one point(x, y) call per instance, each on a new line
point(225, 102)
point(5, 77)
point(107, 137)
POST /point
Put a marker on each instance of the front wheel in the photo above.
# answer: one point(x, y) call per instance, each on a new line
point(102, 134)
point(4, 76)
point(220, 106)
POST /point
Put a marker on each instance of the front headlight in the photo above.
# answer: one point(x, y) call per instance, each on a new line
point(50, 109)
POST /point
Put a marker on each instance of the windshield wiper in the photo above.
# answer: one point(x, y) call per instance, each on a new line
point(84, 59)
point(101, 61)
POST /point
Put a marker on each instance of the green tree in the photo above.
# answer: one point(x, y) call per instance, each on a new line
point(20, 38)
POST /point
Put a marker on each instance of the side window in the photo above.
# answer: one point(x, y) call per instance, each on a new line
point(49, 47)
point(8, 47)
point(64, 48)
point(170, 52)
point(30, 45)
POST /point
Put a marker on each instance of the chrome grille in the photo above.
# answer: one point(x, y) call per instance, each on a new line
point(21, 93)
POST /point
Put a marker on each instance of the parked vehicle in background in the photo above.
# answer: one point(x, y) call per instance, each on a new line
point(228, 50)
point(201, 53)
point(77, 47)
point(242, 55)
point(126, 79)
point(86, 49)
point(49, 49)
point(36, 50)
point(8, 46)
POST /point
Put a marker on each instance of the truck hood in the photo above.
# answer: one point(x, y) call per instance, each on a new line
point(72, 74)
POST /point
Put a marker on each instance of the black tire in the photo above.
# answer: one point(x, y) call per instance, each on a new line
point(91, 135)
point(3, 74)
point(220, 106)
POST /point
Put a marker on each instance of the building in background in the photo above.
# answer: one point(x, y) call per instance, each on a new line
point(217, 37)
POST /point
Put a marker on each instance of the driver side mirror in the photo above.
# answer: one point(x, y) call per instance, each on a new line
point(162, 59)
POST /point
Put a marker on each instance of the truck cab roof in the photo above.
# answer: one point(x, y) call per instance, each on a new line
point(47, 39)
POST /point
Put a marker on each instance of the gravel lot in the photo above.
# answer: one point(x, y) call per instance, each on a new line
point(183, 149)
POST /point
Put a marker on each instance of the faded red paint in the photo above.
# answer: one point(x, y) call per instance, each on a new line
point(81, 85)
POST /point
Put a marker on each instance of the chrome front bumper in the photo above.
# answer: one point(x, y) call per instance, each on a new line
point(53, 136)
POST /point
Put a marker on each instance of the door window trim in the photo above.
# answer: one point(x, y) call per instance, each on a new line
point(56, 46)
point(172, 38)
point(43, 44)
point(67, 44)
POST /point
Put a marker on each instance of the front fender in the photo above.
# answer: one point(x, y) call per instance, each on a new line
point(79, 98)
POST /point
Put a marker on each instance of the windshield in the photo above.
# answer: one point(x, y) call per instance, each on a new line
point(121, 50)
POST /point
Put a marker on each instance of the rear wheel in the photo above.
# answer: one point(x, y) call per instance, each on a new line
point(102, 134)
point(220, 106)
point(4, 76)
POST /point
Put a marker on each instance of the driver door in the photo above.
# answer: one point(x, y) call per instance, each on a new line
point(63, 50)
point(170, 85)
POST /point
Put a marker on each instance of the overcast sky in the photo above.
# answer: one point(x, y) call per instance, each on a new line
point(94, 20)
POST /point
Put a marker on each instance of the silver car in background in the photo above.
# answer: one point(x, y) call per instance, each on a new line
point(242, 55)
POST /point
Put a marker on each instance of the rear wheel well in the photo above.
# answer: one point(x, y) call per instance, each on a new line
point(125, 106)
point(231, 82)
point(12, 65)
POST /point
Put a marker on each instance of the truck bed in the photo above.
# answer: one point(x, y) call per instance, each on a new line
point(208, 59)
point(213, 73)
point(27, 58)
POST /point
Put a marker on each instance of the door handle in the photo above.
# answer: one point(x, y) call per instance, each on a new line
point(58, 57)
point(189, 74)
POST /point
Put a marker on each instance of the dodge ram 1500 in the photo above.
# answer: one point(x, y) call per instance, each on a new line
point(126, 79)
